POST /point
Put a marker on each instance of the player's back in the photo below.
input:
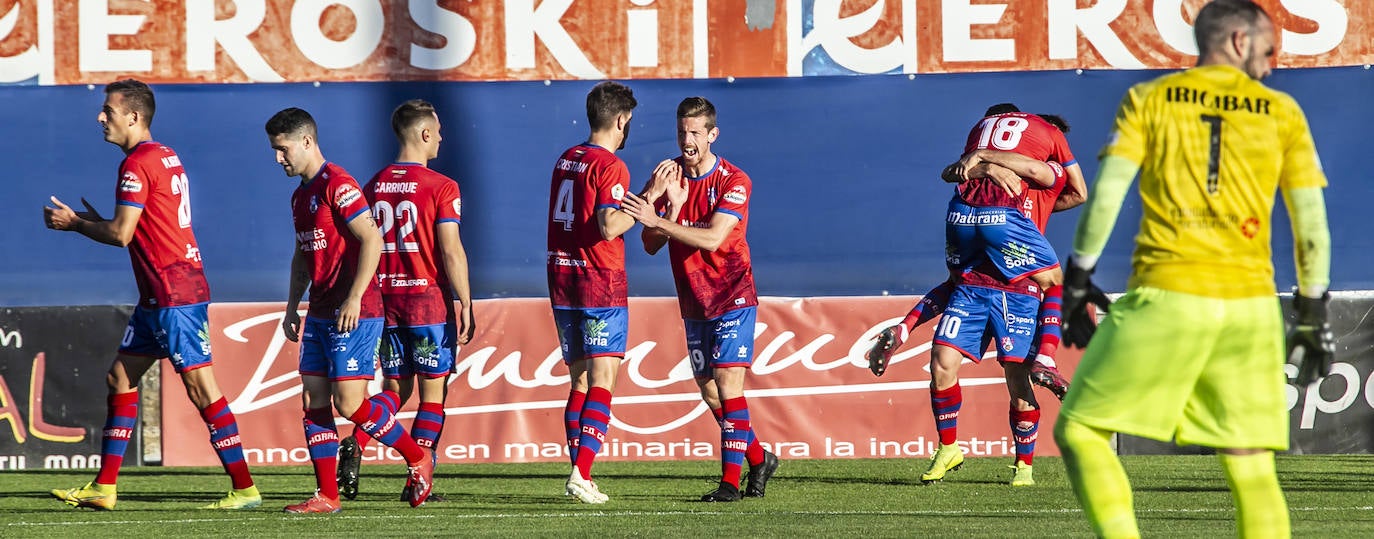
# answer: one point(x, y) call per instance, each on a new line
point(1214, 146)
point(409, 201)
point(1023, 133)
point(165, 256)
point(585, 269)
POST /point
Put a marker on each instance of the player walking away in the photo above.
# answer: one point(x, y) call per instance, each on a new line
point(337, 249)
point(153, 219)
point(423, 270)
point(1194, 351)
point(1038, 205)
point(586, 271)
point(704, 201)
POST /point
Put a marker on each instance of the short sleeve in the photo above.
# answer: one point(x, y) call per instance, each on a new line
point(448, 202)
point(734, 195)
point(611, 185)
point(133, 186)
point(347, 199)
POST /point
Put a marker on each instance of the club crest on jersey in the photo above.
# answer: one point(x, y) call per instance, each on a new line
point(737, 195)
point(711, 196)
point(129, 183)
point(314, 203)
point(617, 192)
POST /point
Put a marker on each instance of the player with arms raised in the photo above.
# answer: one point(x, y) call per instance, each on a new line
point(153, 219)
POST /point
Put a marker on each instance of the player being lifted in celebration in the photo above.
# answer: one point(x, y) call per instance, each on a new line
point(704, 205)
point(586, 271)
point(994, 132)
point(1194, 351)
point(153, 219)
point(337, 249)
point(423, 270)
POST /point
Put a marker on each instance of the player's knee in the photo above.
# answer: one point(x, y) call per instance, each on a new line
point(1072, 436)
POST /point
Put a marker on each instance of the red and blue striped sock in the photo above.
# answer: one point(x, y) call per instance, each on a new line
point(388, 399)
point(121, 413)
point(572, 421)
point(1025, 426)
point(428, 424)
point(734, 438)
point(945, 404)
point(381, 424)
point(224, 437)
point(1048, 333)
point(754, 455)
point(322, 440)
point(596, 418)
point(930, 306)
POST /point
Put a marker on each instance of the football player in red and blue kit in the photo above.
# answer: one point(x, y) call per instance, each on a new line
point(337, 250)
point(586, 273)
point(153, 219)
point(700, 202)
point(422, 272)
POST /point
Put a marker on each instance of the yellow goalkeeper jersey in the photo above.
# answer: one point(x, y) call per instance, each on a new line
point(1214, 146)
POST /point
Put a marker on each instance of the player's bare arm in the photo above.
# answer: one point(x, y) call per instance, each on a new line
point(706, 239)
point(300, 279)
point(613, 223)
point(1075, 192)
point(1029, 168)
point(117, 232)
point(456, 266)
point(365, 229)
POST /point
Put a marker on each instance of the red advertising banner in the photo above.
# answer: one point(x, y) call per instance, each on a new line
point(810, 392)
point(220, 41)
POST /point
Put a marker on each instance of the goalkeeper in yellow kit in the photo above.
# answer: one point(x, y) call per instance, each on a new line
point(1194, 351)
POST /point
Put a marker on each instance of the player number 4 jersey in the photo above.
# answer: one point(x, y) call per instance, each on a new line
point(165, 257)
point(584, 269)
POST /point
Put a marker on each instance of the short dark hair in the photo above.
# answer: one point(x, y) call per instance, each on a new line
point(697, 107)
point(138, 97)
point(607, 100)
point(1001, 108)
point(1216, 20)
point(292, 121)
point(1057, 121)
point(410, 114)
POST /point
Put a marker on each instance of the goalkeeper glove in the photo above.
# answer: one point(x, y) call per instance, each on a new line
point(1079, 291)
point(1310, 341)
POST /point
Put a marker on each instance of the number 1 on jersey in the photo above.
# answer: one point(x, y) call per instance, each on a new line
point(563, 206)
point(1214, 155)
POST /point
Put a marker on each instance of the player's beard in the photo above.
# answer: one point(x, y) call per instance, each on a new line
point(624, 136)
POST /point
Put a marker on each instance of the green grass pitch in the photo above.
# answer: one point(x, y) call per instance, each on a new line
point(1176, 496)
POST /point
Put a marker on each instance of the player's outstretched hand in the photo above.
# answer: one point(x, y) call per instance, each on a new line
point(59, 216)
point(1079, 290)
point(91, 214)
point(641, 209)
point(1310, 341)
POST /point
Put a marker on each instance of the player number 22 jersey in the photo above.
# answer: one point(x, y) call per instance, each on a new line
point(164, 253)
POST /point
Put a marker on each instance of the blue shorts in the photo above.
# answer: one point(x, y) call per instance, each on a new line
point(424, 350)
point(974, 309)
point(724, 341)
point(588, 333)
point(179, 333)
point(340, 356)
point(1003, 236)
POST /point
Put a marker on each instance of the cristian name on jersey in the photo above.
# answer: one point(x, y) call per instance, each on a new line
point(1026, 134)
point(320, 210)
point(409, 201)
point(584, 269)
point(709, 284)
point(164, 253)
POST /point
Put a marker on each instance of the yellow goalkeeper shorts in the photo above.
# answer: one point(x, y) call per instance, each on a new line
point(1197, 370)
